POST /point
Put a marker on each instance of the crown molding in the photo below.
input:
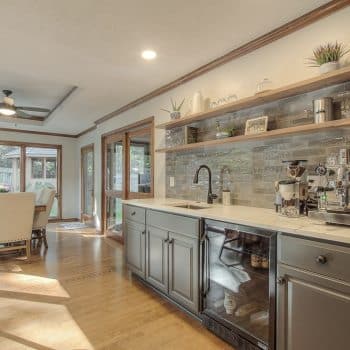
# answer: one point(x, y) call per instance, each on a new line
point(23, 131)
point(278, 33)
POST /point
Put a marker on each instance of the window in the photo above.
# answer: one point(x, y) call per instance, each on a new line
point(26, 167)
point(10, 164)
point(50, 168)
point(37, 168)
point(43, 168)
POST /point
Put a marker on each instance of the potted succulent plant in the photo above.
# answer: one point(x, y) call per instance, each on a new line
point(327, 56)
point(175, 113)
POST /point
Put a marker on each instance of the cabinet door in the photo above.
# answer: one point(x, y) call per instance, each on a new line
point(157, 258)
point(183, 270)
point(135, 247)
point(312, 312)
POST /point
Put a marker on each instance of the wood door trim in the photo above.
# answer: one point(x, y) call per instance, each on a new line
point(261, 41)
point(87, 148)
point(22, 166)
point(149, 129)
point(105, 140)
point(116, 135)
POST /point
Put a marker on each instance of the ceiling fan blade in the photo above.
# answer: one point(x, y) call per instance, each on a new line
point(22, 114)
point(34, 109)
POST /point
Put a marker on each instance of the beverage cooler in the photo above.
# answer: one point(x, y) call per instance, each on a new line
point(238, 271)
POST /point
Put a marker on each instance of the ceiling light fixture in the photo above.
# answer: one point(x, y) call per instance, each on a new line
point(149, 55)
point(7, 109)
point(7, 106)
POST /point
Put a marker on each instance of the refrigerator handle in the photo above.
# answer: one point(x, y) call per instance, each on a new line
point(207, 264)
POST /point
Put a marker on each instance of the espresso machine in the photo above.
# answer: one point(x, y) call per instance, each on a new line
point(334, 199)
point(292, 192)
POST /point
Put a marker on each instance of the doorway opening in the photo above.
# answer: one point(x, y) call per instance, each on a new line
point(88, 185)
point(127, 172)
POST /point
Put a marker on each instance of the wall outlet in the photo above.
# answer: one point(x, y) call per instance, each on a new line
point(172, 181)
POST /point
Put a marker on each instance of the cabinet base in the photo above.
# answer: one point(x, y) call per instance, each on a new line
point(227, 334)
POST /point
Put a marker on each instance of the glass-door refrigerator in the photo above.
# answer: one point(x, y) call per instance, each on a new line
point(238, 270)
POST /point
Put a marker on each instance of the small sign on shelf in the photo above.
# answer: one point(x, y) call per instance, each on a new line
point(256, 125)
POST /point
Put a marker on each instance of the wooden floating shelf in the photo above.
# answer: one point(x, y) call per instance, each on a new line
point(319, 82)
point(309, 128)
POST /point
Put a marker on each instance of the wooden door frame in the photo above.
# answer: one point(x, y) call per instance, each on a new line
point(142, 124)
point(23, 146)
point(143, 131)
point(111, 137)
point(84, 149)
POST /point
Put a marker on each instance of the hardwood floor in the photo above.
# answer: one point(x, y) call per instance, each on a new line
point(79, 296)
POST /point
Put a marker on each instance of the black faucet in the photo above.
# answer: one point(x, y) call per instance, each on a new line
point(211, 196)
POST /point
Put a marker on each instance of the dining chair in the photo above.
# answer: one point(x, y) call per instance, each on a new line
point(41, 219)
point(16, 214)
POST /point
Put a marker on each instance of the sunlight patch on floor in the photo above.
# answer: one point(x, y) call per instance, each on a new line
point(39, 325)
point(31, 284)
point(8, 342)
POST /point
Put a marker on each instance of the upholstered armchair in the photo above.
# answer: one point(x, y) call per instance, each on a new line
point(41, 218)
point(16, 213)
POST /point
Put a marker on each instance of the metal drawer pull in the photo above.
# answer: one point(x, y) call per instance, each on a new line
point(166, 240)
point(133, 213)
point(321, 259)
point(171, 241)
point(281, 280)
point(144, 232)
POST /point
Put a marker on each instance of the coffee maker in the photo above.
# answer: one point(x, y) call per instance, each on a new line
point(292, 192)
point(334, 198)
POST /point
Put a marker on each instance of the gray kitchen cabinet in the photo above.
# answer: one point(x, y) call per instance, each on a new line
point(157, 258)
point(135, 247)
point(172, 256)
point(313, 296)
point(163, 249)
point(184, 270)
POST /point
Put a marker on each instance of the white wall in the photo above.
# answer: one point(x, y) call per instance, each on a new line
point(282, 61)
point(70, 167)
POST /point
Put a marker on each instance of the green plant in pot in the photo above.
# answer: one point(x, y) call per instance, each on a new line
point(175, 113)
point(327, 56)
point(222, 133)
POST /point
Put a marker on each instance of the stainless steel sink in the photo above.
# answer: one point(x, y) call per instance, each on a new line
point(189, 206)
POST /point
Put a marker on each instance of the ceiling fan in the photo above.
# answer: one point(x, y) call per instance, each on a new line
point(8, 108)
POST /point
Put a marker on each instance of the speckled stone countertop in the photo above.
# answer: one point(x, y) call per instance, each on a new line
point(250, 216)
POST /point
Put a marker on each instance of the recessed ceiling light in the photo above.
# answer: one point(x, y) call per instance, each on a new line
point(149, 55)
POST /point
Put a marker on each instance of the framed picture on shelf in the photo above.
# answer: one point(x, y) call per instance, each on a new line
point(256, 125)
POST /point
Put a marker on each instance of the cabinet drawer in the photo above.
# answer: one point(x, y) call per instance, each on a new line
point(175, 223)
point(133, 213)
point(322, 258)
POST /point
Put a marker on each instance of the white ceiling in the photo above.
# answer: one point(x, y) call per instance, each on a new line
point(50, 46)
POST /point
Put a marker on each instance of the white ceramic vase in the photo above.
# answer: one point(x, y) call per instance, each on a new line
point(197, 103)
point(329, 67)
